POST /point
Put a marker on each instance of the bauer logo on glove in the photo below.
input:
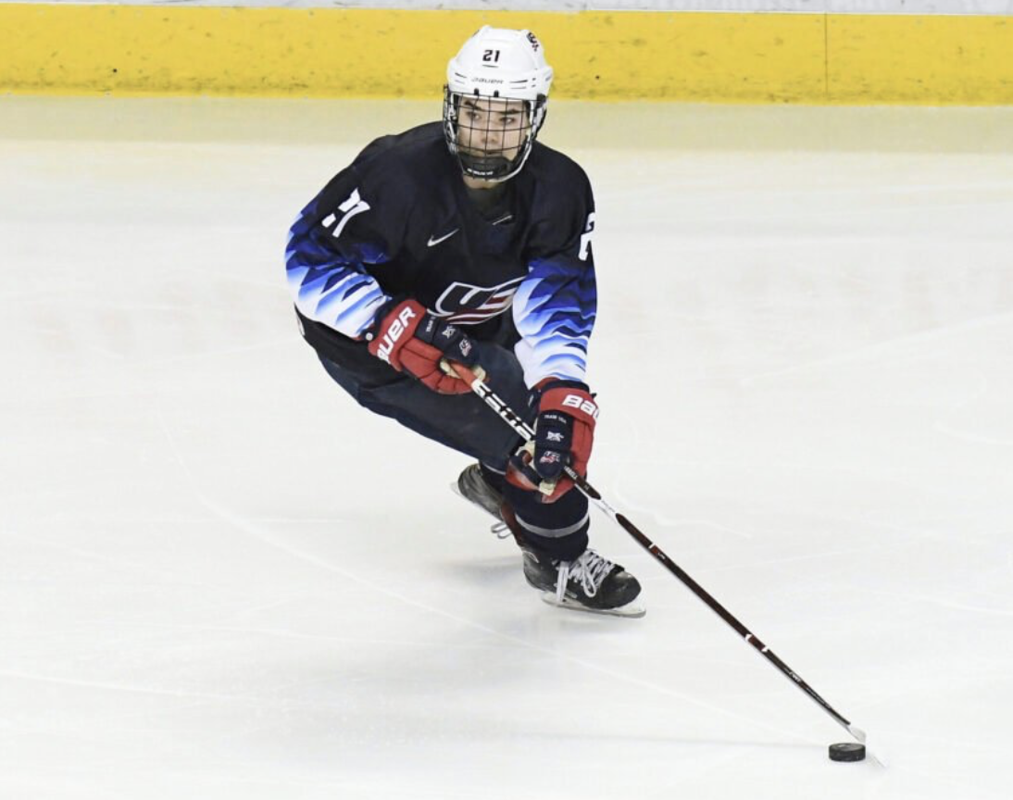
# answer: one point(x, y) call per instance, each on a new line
point(579, 401)
point(414, 341)
point(400, 324)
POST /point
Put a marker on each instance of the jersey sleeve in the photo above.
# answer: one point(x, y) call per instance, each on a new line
point(555, 306)
point(346, 231)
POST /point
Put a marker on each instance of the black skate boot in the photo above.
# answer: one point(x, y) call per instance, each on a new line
point(588, 583)
point(473, 487)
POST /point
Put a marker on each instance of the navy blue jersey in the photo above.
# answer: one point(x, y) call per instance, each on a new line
point(399, 222)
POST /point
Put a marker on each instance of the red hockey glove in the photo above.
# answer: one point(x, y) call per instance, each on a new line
point(412, 340)
point(564, 435)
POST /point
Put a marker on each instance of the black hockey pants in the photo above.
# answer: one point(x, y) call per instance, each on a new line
point(466, 424)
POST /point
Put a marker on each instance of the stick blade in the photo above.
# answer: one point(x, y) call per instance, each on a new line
point(857, 732)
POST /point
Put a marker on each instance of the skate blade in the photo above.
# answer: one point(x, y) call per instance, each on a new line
point(499, 529)
point(633, 609)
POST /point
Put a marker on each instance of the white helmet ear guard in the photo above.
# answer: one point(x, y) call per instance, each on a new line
point(503, 72)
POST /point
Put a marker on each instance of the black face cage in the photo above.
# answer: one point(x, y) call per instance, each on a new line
point(484, 149)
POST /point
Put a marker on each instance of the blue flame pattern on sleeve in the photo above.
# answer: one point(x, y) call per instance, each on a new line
point(554, 311)
point(329, 283)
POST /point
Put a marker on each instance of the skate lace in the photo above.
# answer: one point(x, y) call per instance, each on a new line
point(590, 570)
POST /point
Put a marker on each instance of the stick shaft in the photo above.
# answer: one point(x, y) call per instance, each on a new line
point(525, 431)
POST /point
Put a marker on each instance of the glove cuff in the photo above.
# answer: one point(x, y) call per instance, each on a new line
point(552, 383)
point(369, 334)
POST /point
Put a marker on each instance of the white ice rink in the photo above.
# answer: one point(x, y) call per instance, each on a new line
point(219, 578)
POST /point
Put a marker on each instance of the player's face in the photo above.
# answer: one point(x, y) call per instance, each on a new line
point(489, 127)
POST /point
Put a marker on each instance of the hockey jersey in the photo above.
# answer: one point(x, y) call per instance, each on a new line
point(399, 222)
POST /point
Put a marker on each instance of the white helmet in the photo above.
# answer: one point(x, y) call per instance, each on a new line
point(496, 66)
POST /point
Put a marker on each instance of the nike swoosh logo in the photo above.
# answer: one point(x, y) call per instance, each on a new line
point(433, 242)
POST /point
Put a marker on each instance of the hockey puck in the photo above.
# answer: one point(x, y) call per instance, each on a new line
point(847, 751)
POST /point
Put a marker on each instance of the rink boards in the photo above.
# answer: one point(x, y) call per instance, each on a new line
point(602, 55)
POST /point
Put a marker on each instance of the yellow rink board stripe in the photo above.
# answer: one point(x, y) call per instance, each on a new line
point(920, 59)
point(324, 52)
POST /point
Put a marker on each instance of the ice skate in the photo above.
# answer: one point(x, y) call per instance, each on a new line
point(473, 487)
point(588, 583)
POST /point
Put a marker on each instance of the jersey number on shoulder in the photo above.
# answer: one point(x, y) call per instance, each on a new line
point(352, 206)
point(585, 237)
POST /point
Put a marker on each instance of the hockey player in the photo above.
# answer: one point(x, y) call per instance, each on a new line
point(469, 242)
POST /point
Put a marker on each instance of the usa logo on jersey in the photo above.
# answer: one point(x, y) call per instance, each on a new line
point(465, 304)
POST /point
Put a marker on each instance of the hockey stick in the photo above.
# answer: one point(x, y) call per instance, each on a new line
point(527, 433)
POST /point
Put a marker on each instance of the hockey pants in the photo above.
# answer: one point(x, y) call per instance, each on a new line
point(466, 424)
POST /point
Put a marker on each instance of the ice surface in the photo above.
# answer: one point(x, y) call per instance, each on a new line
point(220, 579)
